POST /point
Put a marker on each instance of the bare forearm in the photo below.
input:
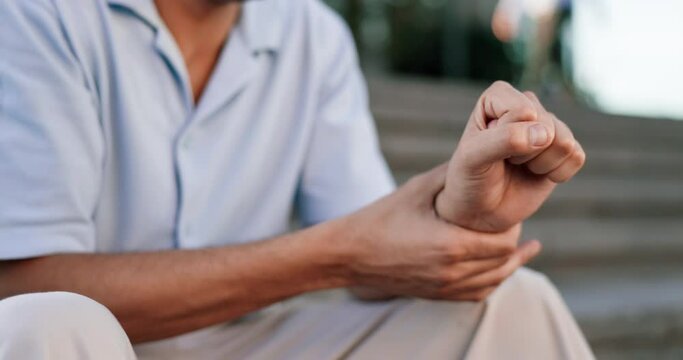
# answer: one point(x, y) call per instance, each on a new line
point(161, 294)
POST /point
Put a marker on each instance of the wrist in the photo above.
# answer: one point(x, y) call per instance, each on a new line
point(333, 252)
point(446, 211)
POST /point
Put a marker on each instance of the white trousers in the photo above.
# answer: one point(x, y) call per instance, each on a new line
point(524, 319)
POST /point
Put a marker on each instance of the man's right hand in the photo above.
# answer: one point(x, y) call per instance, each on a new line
point(402, 248)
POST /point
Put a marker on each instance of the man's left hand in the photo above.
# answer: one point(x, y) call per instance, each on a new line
point(510, 157)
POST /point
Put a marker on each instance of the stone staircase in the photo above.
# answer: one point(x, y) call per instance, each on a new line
point(613, 237)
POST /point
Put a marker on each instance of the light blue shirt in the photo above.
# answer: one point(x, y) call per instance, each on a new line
point(103, 150)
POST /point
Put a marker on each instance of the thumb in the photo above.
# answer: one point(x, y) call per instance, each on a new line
point(504, 140)
point(430, 183)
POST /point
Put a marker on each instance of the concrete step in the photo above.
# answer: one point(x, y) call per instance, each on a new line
point(573, 243)
point(605, 198)
point(632, 312)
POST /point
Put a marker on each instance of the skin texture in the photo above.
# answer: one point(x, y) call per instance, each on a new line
point(407, 250)
point(200, 28)
point(397, 246)
point(160, 294)
point(498, 176)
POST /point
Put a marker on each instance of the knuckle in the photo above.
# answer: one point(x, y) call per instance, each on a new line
point(579, 158)
point(475, 245)
point(456, 252)
point(453, 245)
point(527, 110)
point(500, 85)
point(566, 146)
point(516, 139)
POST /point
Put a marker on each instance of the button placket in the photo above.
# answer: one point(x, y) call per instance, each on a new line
point(184, 182)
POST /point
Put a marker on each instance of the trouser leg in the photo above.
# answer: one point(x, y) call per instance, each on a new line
point(526, 318)
point(60, 325)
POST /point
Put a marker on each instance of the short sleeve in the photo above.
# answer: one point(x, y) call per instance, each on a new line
point(345, 169)
point(51, 146)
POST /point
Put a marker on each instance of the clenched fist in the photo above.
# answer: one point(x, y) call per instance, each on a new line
point(510, 157)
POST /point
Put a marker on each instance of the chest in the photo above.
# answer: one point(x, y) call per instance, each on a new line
point(189, 175)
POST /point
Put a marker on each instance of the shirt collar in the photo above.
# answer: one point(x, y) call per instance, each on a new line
point(263, 24)
point(261, 20)
point(143, 9)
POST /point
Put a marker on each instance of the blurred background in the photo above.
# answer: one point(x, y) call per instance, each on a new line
point(611, 69)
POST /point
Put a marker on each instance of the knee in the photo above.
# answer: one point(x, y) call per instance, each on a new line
point(53, 320)
point(528, 284)
point(51, 311)
point(532, 280)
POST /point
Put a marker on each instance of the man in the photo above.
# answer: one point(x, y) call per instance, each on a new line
point(151, 154)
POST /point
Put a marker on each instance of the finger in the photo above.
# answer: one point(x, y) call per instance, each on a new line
point(473, 245)
point(502, 100)
point(495, 277)
point(570, 167)
point(466, 269)
point(544, 117)
point(501, 142)
point(525, 107)
point(557, 153)
point(534, 99)
point(430, 183)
